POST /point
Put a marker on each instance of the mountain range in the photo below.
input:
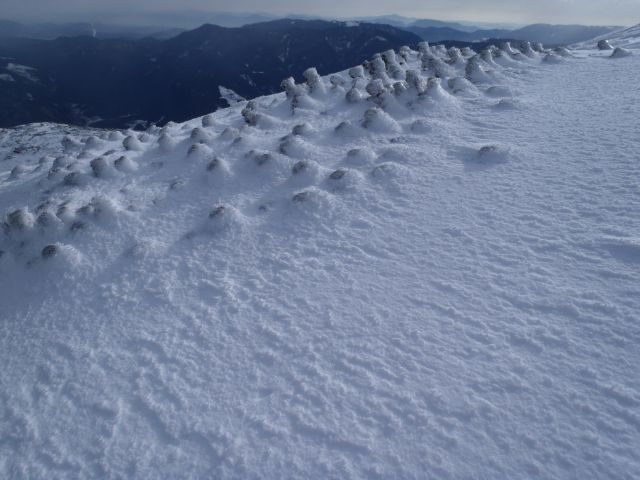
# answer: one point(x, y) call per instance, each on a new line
point(118, 76)
point(118, 82)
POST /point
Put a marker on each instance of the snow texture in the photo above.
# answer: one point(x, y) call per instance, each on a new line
point(424, 267)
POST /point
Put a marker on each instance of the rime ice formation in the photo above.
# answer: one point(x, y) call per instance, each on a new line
point(425, 266)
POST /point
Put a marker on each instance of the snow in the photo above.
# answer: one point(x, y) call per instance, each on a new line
point(22, 71)
point(439, 280)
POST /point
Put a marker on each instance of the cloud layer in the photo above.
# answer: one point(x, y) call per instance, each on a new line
point(595, 12)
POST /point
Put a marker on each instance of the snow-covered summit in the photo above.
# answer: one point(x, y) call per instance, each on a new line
point(423, 266)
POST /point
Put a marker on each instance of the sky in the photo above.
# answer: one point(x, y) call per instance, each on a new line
point(589, 12)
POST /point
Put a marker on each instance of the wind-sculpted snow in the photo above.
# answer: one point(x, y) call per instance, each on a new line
point(425, 266)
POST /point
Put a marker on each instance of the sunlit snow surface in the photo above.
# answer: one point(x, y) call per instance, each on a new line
point(446, 287)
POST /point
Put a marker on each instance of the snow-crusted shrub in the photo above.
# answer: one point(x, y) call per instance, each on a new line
point(375, 88)
point(440, 50)
point(378, 120)
point(305, 172)
point(437, 67)
point(474, 72)
point(224, 219)
point(115, 136)
point(199, 151)
point(508, 49)
point(290, 87)
point(346, 129)
point(260, 158)
point(378, 69)
point(208, 120)
point(93, 143)
point(459, 84)
point(47, 219)
point(49, 251)
point(454, 54)
point(486, 55)
point(70, 144)
point(337, 174)
point(199, 135)
point(299, 167)
point(423, 47)
point(552, 58)
point(229, 133)
point(336, 81)
point(396, 72)
point(104, 208)
point(354, 95)
point(490, 155)
point(525, 48)
point(76, 179)
point(249, 113)
point(356, 72)
point(217, 164)
point(292, 146)
point(126, 164)
point(166, 142)
point(389, 57)
point(131, 143)
point(415, 81)
point(604, 45)
point(301, 129)
point(467, 52)
point(314, 81)
point(404, 53)
point(537, 47)
point(399, 88)
point(311, 204)
point(19, 220)
point(562, 51)
point(100, 167)
point(360, 156)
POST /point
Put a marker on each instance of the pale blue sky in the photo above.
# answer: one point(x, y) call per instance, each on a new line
point(593, 12)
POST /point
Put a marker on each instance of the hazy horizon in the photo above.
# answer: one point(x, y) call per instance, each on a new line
point(165, 12)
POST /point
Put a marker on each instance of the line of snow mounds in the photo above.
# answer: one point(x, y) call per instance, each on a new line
point(276, 145)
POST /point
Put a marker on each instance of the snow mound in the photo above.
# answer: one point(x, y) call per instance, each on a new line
point(620, 52)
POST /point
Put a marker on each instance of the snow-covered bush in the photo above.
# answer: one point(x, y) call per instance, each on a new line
point(604, 45)
point(314, 81)
point(132, 143)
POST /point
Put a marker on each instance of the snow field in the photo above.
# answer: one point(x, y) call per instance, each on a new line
point(423, 266)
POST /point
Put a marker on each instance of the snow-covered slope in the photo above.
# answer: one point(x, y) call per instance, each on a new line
point(380, 274)
point(626, 38)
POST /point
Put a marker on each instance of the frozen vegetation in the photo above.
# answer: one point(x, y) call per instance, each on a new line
point(427, 266)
